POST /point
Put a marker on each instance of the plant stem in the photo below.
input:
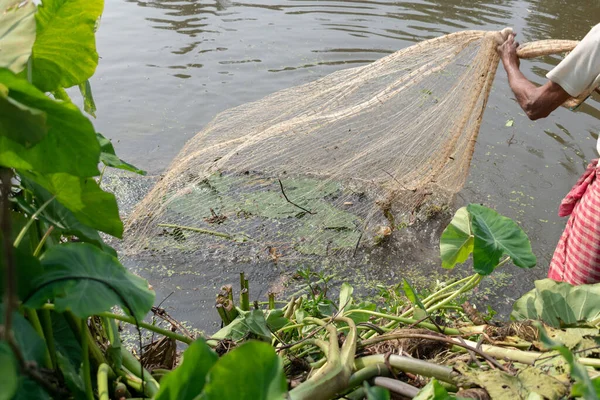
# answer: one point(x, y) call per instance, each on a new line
point(40, 245)
point(75, 325)
point(271, 301)
point(474, 281)
point(367, 373)
point(408, 364)
point(101, 175)
point(151, 387)
point(85, 356)
point(102, 377)
point(408, 321)
point(131, 320)
point(31, 221)
point(446, 289)
point(46, 321)
point(398, 387)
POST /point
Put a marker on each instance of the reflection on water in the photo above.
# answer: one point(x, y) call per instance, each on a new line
point(169, 66)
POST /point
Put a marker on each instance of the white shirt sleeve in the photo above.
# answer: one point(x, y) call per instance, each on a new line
point(580, 70)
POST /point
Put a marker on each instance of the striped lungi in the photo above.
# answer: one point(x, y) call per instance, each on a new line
point(576, 259)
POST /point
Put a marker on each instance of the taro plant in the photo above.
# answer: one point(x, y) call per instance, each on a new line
point(58, 277)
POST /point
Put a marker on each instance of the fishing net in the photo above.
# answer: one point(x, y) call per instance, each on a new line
point(332, 166)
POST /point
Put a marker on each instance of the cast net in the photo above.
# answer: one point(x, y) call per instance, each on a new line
point(331, 166)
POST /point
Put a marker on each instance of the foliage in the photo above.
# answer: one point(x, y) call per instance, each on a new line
point(488, 235)
point(253, 366)
point(433, 391)
point(584, 386)
point(560, 304)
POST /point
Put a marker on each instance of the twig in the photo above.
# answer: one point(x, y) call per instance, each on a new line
point(397, 181)
point(357, 244)
point(291, 202)
point(10, 273)
point(157, 308)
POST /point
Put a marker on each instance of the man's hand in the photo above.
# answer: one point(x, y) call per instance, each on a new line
point(508, 51)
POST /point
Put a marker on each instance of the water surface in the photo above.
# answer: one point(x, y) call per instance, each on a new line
point(168, 67)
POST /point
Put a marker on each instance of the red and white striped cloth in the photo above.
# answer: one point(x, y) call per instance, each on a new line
point(576, 259)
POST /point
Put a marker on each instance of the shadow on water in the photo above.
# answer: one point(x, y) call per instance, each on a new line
point(169, 66)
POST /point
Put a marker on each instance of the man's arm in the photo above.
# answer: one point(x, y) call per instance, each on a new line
point(537, 102)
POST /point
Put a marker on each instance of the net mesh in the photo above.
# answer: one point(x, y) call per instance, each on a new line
point(328, 167)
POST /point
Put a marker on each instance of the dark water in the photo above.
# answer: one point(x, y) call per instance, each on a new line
point(168, 67)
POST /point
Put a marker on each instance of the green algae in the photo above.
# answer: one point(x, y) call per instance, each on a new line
point(313, 225)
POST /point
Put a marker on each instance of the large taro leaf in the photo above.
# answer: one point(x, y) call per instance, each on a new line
point(33, 350)
point(20, 123)
point(17, 33)
point(110, 159)
point(64, 53)
point(501, 385)
point(61, 217)
point(70, 146)
point(85, 280)
point(559, 304)
point(83, 197)
point(494, 236)
point(456, 242)
point(252, 371)
point(188, 379)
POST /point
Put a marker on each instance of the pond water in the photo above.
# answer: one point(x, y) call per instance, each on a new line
point(169, 66)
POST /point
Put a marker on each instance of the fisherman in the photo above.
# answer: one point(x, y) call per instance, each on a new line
point(576, 259)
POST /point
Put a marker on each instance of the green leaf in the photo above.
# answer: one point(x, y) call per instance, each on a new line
point(496, 235)
point(276, 320)
point(412, 294)
point(73, 378)
point(64, 53)
point(110, 159)
point(20, 123)
point(456, 242)
point(61, 217)
point(70, 146)
point(559, 304)
point(247, 323)
point(85, 280)
point(83, 197)
point(433, 391)
point(17, 33)
point(33, 349)
point(583, 386)
point(345, 297)
point(188, 379)
point(509, 123)
point(252, 371)
point(8, 372)
point(376, 392)
point(89, 105)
